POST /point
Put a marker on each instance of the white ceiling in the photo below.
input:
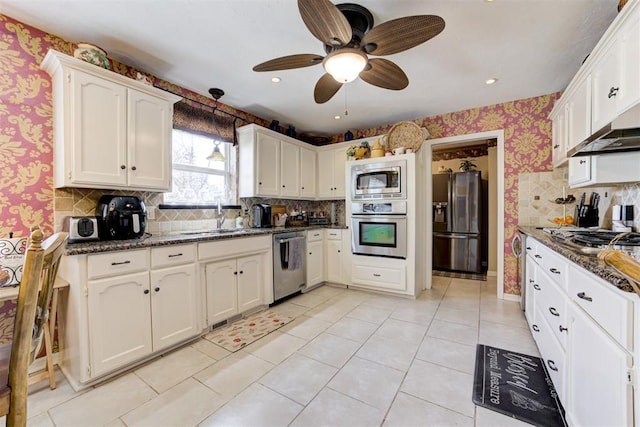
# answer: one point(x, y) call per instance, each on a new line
point(533, 47)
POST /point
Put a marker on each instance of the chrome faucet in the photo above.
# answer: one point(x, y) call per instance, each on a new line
point(220, 218)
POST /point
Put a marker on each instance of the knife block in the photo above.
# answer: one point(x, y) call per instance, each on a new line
point(588, 218)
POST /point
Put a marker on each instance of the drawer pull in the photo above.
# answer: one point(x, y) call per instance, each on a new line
point(146, 291)
point(554, 271)
point(553, 311)
point(538, 256)
point(613, 92)
point(528, 248)
point(376, 275)
point(552, 365)
point(174, 255)
point(157, 289)
point(562, 329)
point(584, 296)
point(121, 263)
point(536, 286)
point(531, 280)
point(241, 272)
point(235, 273)
point(535, 328)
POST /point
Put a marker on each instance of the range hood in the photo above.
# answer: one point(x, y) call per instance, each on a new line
point(621, 135)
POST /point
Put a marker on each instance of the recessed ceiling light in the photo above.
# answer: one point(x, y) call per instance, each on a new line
point(489, 1)
point(276, 79)
point(336, 117)
point(491, 81)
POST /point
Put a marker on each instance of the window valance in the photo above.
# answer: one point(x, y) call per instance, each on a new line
point(199, 119)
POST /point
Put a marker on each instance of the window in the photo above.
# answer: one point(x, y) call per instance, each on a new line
point(196, 180)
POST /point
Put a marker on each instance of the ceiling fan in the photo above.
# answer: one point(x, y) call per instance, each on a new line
point(349, 37)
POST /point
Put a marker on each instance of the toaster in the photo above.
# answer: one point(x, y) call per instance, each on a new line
point(81, 228)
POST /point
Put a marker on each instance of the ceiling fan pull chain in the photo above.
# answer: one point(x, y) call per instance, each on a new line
point(346, 111)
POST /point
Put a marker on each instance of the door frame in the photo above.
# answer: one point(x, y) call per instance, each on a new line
point(427, 158)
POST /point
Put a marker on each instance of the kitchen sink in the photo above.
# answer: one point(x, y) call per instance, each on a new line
point(216, 231)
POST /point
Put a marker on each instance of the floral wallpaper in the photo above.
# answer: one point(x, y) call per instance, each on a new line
point(527, 139)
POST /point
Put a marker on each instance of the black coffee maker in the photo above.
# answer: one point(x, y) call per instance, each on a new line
point(121, 217)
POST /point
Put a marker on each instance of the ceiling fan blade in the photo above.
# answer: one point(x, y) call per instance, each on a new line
point(325, 21)
point(326, 87)
point(289, 62)
point(385, 74)
point(401, 34)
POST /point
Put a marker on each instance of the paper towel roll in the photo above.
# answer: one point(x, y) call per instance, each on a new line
point(616, 212)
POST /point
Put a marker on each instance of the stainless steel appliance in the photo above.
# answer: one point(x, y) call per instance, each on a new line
point(590, 242)
point(81, 228)
point(121, 217)
point(518, 248)
point(379, 228)
point(261, 216)
point(459, 231)
point(289, 264)
point(384, 180)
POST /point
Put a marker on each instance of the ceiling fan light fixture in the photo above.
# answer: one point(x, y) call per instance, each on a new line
point(345, 65)
point(276, 79)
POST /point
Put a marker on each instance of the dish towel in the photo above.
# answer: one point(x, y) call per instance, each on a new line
point(296, 252)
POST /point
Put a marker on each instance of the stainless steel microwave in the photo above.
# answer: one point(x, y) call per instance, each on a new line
point(384, 180)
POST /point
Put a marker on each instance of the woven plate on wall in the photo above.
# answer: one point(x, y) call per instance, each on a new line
point(406, 134)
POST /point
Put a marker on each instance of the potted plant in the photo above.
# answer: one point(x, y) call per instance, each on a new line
point(467, 166)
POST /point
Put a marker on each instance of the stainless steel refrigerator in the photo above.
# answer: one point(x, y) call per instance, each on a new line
point(459, 231)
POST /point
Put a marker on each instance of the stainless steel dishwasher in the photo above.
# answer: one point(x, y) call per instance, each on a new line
point(289, 264)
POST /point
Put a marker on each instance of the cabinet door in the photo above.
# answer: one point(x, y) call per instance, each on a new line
point(222, 294)
point(325, 174)
point(267, 165)
point(578, 114)
point(149, 150)
point(606, 85)
point(334, 263)
point(315, 263)
point(119, 321)
point(559, 138)
point(173, 305)
point(579, 170)
point(531, 291)
point(630, 59)
point(250, 283)
point(307, 173)
point(97, 144)
point(289, 169)
point(339, 162)
point(599, 389)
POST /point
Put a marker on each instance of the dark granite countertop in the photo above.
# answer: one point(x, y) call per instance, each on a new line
point(184, 237)
point(588, 262)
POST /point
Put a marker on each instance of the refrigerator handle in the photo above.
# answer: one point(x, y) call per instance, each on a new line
point(450, 206)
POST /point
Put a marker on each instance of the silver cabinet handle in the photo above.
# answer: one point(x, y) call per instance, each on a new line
point(553, 311)
point(584, 296)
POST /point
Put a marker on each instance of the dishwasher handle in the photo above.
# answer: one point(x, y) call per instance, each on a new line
point(281, 241)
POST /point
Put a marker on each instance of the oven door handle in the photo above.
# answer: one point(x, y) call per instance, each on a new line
point(455, 236)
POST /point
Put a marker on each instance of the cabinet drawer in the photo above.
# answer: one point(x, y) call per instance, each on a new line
point(172, 255)
point(553, 264)
point(552, 354)
point(230, 248)
point(552, 305)
point(314, 235)
point(611, 311)
point(381, 277)
point(117, 263)
point(333, 234)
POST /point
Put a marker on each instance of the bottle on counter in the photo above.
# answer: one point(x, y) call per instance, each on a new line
point(239, 221)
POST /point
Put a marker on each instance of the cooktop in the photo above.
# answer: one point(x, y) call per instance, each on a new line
point(590, 241)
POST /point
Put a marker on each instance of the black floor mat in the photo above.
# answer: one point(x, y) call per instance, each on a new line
point(516, 385)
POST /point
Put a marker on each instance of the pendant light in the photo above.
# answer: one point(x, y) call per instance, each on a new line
point(216, 155)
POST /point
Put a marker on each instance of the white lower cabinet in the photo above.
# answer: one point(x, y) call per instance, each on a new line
point(315, 257)
point(337, 256)
point(599, 372)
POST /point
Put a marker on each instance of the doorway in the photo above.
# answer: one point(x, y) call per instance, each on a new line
point(497, 201)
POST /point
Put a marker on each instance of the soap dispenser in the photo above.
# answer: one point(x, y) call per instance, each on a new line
point(239, 221)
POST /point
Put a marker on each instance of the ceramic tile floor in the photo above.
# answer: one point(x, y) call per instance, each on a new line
point(350, 358)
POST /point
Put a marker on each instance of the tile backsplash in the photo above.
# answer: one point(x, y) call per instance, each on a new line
point(538, 190)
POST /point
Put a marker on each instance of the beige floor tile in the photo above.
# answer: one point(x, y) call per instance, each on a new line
point(463, 317)
point(408, 410)
point(405, 331)
point(41, 398)
point(234, 373)
point(255, 406)
point(460, 302)
point(290, 309)
point(305, 327)
point(463, 334)
point(369, 313)
point(41, 420)
point(116, 423)
point(390, 352)
point(212, 350)
point(353, 329)
point(369, 382)
point(440, 281)
point(385, 302)
point(185, 404)
point(310, 300)
point(416, 313)
point(104, 403)
point(488, 418)
point(275, 347)
point(331, 310)
point(173, 368)
point(506, 337)
point(330, 349)
point(505, 312)
point(439, 385)
point(334, 409)
point(329, 291)
point(299, 378)
point(450, 354)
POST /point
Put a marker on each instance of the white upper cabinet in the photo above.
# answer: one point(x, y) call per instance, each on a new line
point(578, 115)
point(110, 131)
point(308, 175)
point(606, 88)
point(289, 169)
point(331, 173)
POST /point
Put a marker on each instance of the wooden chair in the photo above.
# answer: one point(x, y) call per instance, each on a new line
point(40, 268)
